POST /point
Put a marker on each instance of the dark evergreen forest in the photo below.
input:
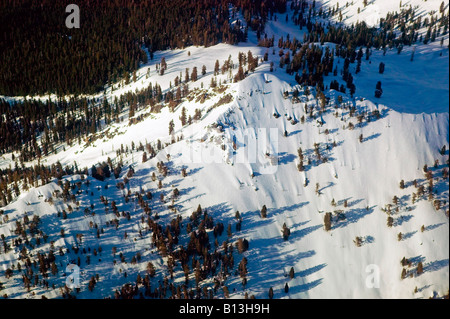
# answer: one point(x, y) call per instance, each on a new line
point(40, 54)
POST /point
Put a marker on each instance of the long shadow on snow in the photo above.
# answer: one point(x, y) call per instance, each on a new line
point(402, 219)
point(408, 235)
point(294, 132)
point(192, 198)
point(285, 158)
point(275, 211)
point(371, 137)
point(436, 265)
point(218, 210)
point(305, 287)
point(300, 233)
point(262, 270)
point(330, 184)
point(415, 260)
point(309, 271)
point(269, 255)
point(350, 204)
point(253, 218)
point(434, 226)
point(352, 216)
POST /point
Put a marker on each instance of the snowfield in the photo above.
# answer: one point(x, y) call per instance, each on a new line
point(239, 157)
point(375, 10)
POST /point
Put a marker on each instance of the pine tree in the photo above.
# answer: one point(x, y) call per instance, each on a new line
point(163, 63)
point(239, 75)
point(378, 90)
point(229, 233)
point(197, 114)
point(144, 157)
point(403, 275)
point(171, 127)
point(327, 221)
point(390, 221)
point(286, 232)
point(242, 245)
point(92, 283)
point(381, 68)
point(54, 269)
point(292, 273)
point(271, 293)
point(419, 268)
point(186, 76)
point(226, 292)
point(216, 68)
point(183, 118)
point(151, 270)
point(213, 83)
point(264, 211)
point(194, 74)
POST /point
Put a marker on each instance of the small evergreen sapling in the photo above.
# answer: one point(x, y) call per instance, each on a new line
point(264, 211)
point(327, 221)
point(419, 268)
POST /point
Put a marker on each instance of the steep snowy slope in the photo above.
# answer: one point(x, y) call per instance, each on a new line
point(367, 174)
point(328, 264)
point(373, 11)
point(409, 86)
point(243, 154)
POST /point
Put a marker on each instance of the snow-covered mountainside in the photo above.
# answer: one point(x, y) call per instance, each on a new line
point(338, 196)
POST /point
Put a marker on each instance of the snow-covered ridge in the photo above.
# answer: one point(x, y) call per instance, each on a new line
point(371, 12)
point(356, 179)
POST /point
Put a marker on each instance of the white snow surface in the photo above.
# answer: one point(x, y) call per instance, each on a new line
point(413, 127)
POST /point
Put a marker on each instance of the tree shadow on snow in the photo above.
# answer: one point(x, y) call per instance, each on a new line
point(408, 235)
point(276, 211)
point(294, 132)
point(330, 184)
point(402, 219)
point(434, 226)
point(309, 271)
point(305, 287)
point(267, 260)
point(285, 158)
point(436, 265)
point(352, 216)
point(415, 260)
point(368, 240)
point(371, 137)
point(218, 209)
point(300, 233)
